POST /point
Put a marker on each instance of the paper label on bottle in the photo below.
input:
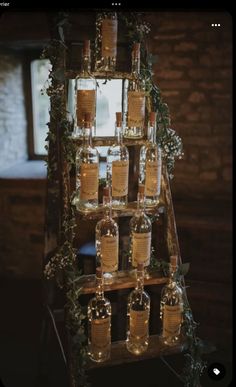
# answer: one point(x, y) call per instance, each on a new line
point(153, 178)
point(139, 323)
point(172, 318)
point(100, 332)
point(141, 248)
point(109, 38)
point(120, 177)
point(136, 108)
point(89, 181)
point(85, 104)
point(109, 253)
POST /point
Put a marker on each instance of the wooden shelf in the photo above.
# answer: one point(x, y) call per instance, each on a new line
point(108, 141)
point(125, 279)
point(71, 74)
point(124, 212)
point(120, 354)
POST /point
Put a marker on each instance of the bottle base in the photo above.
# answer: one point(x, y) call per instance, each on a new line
point(86, 208)
point(99, 359)
point(117, 204)
point(109, 278)
point(136, 348)
point(170, 341)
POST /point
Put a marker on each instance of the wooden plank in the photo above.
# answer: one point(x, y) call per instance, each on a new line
point(109, 140)
point(120, 354)
point(125, 279)
point(171, 229)
point(124, 212)
point(70, 74)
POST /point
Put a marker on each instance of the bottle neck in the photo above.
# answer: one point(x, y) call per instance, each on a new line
point(135, 66)
point(107, 204)
point(172, 274)
point(119, 133)
point(152, 133)
point(87, 132)
point(86, 63)
point(140, 203)
point(99, 287)
point(140, 280)
point(136, 60)
point(86, 57)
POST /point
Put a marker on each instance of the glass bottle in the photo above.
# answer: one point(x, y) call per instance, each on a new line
point(141, 233)
point(138, 316)
point(135, 60)
point(136, 99)
point(118, 167)
point(107, 240)
point(85, 93)
point(171, 307)
point(87, 171)
point(150, 164)
point(99, 323)
point(107, 26)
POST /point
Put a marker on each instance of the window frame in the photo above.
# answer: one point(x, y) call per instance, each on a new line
point(28, 57)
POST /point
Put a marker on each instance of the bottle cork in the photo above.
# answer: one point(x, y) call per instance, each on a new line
point(136, 49)
point(118, 118)
point(140, 266)
point(152, 117)
point(98, 272)
point(173, 260)
point(86, 48)
point(141, 189)
point(106, 191)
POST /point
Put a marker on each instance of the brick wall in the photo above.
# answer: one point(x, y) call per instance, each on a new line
point(22, 205)
point(13, 145)
point(194, 72)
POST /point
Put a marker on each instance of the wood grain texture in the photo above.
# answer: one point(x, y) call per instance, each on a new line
point(120, 354)
point(124, 280)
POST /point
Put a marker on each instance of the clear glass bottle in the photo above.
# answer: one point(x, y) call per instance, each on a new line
point(118, 167)
point(136, 99)
point(107, 240)
point(138, 316)
point(99, 323)
point(141, 233)
point(150, 165)
point(87, 171)
point(85, 93)
point(171, 307)
point(107, 26)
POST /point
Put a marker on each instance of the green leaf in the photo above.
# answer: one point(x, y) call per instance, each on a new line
point(59, 75)
point(61, 33)
point(184, 268)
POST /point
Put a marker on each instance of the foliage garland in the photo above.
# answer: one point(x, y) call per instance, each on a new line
point(62, 264)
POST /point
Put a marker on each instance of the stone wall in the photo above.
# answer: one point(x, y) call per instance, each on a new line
point(13, 125)
point(194, 72)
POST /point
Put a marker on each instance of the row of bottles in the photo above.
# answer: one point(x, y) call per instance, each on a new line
point(138, 311)
point(87, 168)
point(85, 96)
point(107, 238)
